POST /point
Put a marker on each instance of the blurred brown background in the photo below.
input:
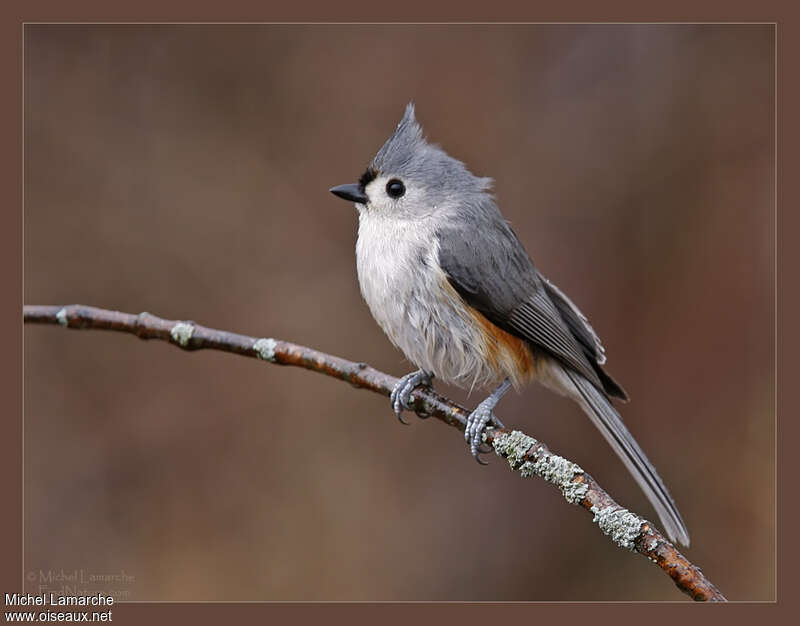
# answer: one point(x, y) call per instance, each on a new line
point(183, 170)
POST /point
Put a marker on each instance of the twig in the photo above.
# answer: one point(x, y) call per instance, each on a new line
point(524, 454)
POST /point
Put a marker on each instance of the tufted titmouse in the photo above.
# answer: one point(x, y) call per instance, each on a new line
point(451, 285)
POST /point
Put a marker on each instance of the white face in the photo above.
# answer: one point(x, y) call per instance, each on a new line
point(395, 197)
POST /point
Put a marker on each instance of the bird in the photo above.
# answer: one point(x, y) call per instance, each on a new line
point(451, 285)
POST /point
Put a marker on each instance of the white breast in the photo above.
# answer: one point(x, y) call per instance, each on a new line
point(405, 289)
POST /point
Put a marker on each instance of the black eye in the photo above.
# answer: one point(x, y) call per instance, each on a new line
point(395, 188)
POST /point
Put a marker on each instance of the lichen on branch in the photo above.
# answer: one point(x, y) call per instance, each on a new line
point(525, 455)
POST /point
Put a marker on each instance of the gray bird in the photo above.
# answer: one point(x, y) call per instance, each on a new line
point(451, 285)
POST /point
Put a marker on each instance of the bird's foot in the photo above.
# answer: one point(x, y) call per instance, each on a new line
point(481, 417)
point(477, 422)
point(401, 394)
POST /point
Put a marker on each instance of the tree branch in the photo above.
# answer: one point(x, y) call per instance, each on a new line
point(524, 454)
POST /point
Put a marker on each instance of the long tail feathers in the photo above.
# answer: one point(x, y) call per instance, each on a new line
point(608, 422)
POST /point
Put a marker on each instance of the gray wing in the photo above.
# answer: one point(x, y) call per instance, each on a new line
point(488, 266)
point(577, 322)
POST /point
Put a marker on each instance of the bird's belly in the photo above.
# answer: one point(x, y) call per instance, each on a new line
point(430, 330)
point(412, 301)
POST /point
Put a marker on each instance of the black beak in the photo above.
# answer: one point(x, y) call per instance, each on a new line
point(352, 192)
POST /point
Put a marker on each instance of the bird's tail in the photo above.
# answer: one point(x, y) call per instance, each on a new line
point(609, 423)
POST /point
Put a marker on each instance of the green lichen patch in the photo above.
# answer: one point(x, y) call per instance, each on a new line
point(513, 446)
point(622, 526)
point(516, 447)
point(265, 348)
point(561, 472)
point(181, 333)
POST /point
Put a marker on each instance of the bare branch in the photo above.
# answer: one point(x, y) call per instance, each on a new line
point(524, 454)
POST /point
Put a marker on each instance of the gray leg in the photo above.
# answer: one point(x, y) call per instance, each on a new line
point(401, 394)
point(482, 415)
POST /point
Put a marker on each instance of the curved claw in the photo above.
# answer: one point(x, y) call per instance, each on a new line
point(398, 412)
point(401, 394)
point(397, 407)
point(473, 433)
point(482, 416)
